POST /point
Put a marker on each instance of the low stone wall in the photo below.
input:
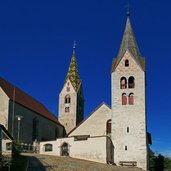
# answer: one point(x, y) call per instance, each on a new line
point(93, 149)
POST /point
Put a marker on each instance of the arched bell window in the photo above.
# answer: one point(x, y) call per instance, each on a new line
point(126, 63)
point(124, 99)
point(131, 99)
point(123, 83)
point(67, 99)
point(131, 82)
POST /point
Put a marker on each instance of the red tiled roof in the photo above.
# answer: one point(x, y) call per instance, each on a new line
point(26, 100)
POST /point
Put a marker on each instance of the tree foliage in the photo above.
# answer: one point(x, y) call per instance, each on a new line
point(159, 162)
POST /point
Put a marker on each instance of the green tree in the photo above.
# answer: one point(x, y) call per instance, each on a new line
point(167, 163)
point(159, 162)
point(152, 160)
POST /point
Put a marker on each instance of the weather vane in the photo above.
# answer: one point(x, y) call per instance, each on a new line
point(128, 9)
point(74, 45)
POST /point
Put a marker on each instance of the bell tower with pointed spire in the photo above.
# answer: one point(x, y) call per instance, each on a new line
point(71, 99)
point(129, 102)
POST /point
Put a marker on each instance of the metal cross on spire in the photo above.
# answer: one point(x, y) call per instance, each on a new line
point(74, 47)
point(128, 9)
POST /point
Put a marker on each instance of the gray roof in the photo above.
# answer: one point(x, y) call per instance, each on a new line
point(128, 43)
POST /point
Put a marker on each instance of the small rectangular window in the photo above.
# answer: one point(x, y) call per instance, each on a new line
point(127, 129)
point(48, 147)
point(126, 148)
point(81, 137)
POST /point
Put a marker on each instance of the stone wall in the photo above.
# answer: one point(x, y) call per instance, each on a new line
point(4, 102)
point(93, 149)
point(68, 119)
point(46, 129)
point(129, 116)
point(95, 124)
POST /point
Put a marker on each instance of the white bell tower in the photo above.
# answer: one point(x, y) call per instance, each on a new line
point(129, 103)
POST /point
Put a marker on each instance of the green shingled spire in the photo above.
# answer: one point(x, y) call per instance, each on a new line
point(73, 74)
point(129, 43)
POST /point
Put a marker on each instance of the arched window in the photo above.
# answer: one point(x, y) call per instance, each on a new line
point(66, 109)
point(123, 83)
point(126, 63)
point(124, 99)
point(131, 82)
point(56, 132)
point(108, 127)
point(65, 149)
point(67, 99)
point(35, 128)
point(131, 98)
point(48, 147)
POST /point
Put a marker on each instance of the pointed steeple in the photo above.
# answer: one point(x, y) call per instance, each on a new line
point(73, 74)
point(128, 43)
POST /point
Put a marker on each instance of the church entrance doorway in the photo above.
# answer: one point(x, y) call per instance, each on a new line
point(65, 149)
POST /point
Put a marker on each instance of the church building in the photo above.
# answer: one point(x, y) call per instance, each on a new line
point(116, 134)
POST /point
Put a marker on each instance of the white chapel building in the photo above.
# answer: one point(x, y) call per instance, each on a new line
point(116, 134)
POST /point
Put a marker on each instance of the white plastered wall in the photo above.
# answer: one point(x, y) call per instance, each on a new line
point(4, 147)
point(95, 124)
point(68, 119)
point(4, 107)
point(92, 149)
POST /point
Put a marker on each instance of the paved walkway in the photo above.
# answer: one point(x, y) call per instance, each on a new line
point(53, 163)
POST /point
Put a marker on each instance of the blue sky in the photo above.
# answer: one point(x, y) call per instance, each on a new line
point(36, 38)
